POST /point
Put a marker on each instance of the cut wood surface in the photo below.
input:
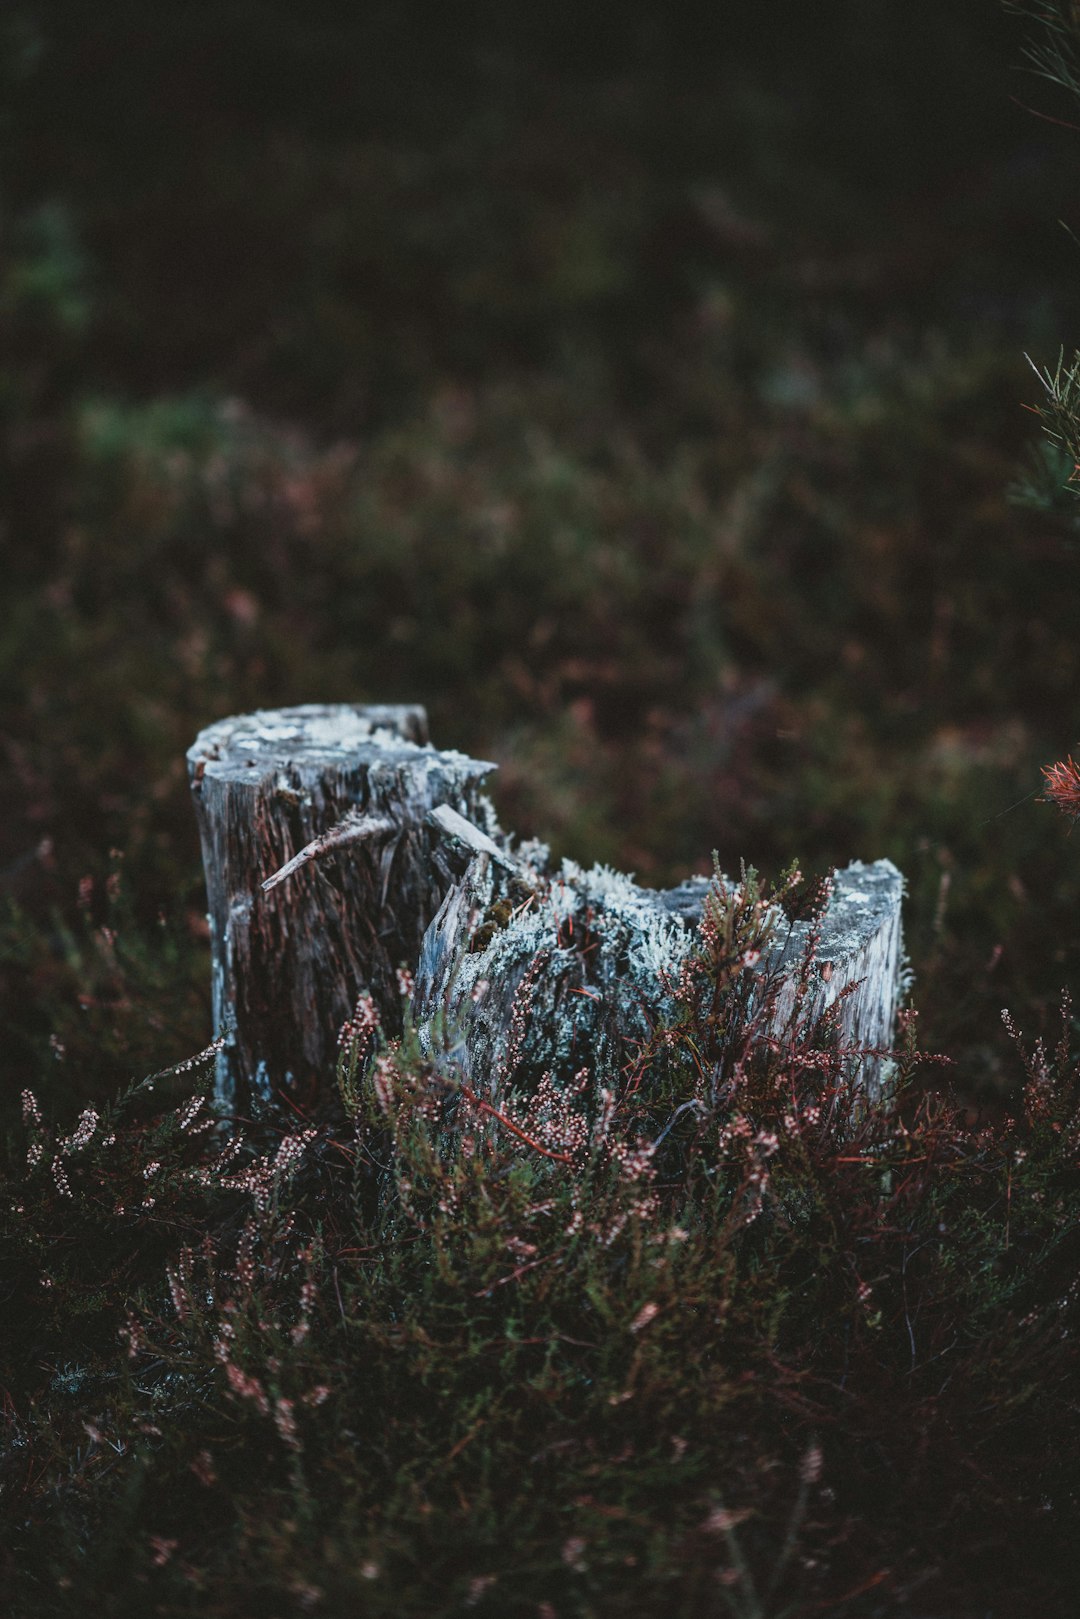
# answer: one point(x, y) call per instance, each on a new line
point(340, 846)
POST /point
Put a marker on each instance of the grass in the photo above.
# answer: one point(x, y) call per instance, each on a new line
point(647, 401)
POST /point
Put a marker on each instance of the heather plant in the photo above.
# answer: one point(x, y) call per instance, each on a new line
point(718, 1339)
point(592, 383)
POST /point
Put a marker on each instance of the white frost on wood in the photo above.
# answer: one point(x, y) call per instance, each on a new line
point(332, 729)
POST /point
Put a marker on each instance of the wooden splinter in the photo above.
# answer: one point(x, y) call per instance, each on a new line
point(353, 827)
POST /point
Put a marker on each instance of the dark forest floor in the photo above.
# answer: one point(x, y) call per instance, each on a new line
point(645, 394)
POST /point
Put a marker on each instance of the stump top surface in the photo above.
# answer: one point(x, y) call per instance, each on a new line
point(864, 897)
point(312, 733)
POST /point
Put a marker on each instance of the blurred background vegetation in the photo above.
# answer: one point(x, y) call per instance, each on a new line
point(641, 388)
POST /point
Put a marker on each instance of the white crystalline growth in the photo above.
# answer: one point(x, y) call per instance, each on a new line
point(584, 969)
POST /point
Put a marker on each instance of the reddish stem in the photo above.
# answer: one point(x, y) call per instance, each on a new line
point(486, 1107)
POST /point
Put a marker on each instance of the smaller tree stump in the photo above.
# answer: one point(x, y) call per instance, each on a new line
point(530, 968)
point(323, 872)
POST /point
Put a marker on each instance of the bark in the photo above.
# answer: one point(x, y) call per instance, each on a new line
point(323, 872)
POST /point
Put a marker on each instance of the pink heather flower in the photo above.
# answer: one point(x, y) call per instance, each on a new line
point(82, 1133)
point(478, 1585)
point(647, 1313)
point(308, 1295)
point(136, 1338)
point(247, 1388)
point(178, 1284)
point(364, 1020)
point(291, 1150)
point(573, 1553)
point(385, 1074)
point(308, 1596)
point(188, 1113)
point(285, 1422)
point(204, 1055)
point(721, 1522)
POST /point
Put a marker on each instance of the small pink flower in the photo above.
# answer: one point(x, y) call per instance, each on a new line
point(573, 1553)
point(646, 1314)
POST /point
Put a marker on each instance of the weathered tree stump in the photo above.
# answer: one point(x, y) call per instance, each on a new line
point(340, 846)
point(323, 872)
point(529, 969)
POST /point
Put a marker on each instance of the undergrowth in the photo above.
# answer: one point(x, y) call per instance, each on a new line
point(714, 1337)
point(644, 398)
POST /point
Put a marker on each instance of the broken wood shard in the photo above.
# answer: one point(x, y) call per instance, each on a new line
point(456, 826)
point(355, 827)
point(383, 853)
point(352, 828)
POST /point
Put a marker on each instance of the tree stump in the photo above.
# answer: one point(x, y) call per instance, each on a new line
point(549, 970)
point(340, 847)
point(323, 872)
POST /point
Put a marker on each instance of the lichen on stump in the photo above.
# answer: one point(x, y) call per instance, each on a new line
point(531, 967)
point(339, 795)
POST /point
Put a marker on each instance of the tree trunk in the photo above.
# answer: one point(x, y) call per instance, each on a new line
point(323, 872)
point(340, 846)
